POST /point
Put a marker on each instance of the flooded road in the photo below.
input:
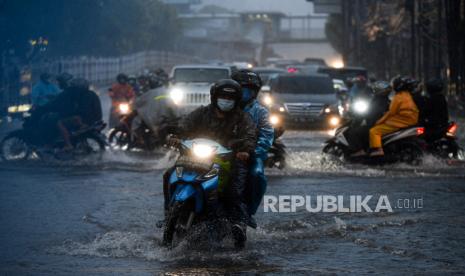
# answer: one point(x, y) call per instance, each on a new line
point(98, 217)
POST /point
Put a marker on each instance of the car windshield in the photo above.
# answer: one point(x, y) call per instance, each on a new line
point(302, 85)
point(200, 75)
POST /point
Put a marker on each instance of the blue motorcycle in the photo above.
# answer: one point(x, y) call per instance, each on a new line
point(199, 176)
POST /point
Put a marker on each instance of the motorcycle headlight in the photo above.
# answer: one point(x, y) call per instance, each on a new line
point(124, 108)
point(177, 95)
point(274, 120)
point(334, 121)
point(267, 100)
point(203, 151)
point(360, 106)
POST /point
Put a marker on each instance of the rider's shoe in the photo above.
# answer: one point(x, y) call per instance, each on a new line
point(251, 222)
point(239, 232)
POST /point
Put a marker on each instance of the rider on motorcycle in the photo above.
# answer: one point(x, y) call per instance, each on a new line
point(225, 122)
point(358, 134)
point(119, 92)
point(44, 91)
point(360, 88)
point(402, 113)
point(76, 107)
point(251, 84)
point(436, 113)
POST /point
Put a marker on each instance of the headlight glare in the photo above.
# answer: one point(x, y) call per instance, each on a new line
point(203, 151)
point(360, 106)
point(177, 95)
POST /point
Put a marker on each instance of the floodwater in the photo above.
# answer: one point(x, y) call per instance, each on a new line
point(98, 217)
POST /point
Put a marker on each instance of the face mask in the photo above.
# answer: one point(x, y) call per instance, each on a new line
point(246, 95)
point(225, 105)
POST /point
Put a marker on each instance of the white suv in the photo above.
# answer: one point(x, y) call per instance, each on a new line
point(190, 84)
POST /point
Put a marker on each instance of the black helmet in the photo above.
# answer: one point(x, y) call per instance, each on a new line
point(45, 77)
point(434, 86)
point(64, 79)
point(226, 87)
point(403, 84)
point(381, 88)
point(80, 83)
point(122, 78)
point(247, 78)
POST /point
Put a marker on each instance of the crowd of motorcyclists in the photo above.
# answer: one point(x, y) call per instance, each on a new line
point(236, 119)
point(391, 106)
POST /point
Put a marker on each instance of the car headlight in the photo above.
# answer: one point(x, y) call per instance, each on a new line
point(124, 108)
point(360, 106)
point(274, 120)
point(203, 151)
point(327, 110)
point(177, 95)
point(267, 100)
point(334, 121)
point(281, 109)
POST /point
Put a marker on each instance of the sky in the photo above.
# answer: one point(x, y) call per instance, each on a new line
point(290, 7)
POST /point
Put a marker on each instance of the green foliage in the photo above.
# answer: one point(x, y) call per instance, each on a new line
point(89, 27)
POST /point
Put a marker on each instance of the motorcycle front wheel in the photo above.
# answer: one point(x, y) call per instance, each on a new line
point(119, 139)
point(14, 148)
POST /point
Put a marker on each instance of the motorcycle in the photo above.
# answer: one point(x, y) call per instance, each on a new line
point(277, 152)
point(405, 145)
point(23, 143)
point(446, 147)
point(133, 133)
point(118, 112)
point(200, 174)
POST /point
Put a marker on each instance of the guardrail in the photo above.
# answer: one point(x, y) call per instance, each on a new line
point(104, 70)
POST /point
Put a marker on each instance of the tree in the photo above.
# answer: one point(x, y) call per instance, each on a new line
point(89, 27)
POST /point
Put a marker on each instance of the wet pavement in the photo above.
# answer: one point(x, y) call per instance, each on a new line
point(98, 217)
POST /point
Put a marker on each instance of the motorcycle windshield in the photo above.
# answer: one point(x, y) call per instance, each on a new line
point(216, 147)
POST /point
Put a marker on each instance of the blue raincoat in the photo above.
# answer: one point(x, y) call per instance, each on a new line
point(43, 92)
point(265, 136)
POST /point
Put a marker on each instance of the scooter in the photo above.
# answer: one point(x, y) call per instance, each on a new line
point(199, 176)
point(405, 145)
point(23, 143)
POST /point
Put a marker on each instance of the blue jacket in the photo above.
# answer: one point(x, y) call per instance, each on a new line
point(42, 93)
point(265, 132)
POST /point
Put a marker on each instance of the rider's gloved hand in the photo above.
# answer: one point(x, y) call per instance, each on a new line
point(173, 142)
point(243, 156)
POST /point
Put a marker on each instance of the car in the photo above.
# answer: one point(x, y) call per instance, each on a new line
point(189, 86)
point(266, 72)
point(304, 100)
point(344, 72)
point(315, 61)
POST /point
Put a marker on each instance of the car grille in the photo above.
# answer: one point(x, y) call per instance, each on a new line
point(197, 99)
point(304, 109)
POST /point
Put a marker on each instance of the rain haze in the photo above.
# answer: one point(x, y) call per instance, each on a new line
point(240, 137)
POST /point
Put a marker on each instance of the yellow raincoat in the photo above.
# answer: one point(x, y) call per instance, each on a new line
point(402, 113)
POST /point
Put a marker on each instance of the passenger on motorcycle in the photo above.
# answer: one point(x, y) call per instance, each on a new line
point(358, 133)
point(402, 113)
point(44, 91)
point(76, 107)
point(436, 114)
point(251, 84)
point(121, 91)
point(225, 122)
point(64, 80)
